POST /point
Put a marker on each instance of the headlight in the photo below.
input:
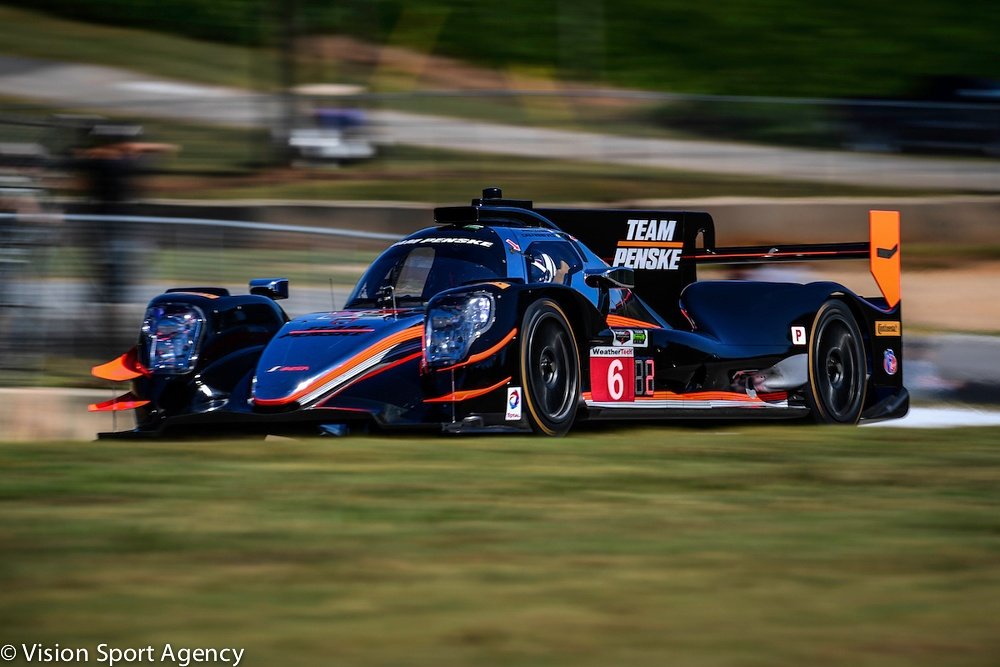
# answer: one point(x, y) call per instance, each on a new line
point(453, 326)
point(170, 336)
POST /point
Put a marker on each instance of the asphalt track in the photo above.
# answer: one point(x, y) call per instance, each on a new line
point(65, 416)
point(943, 417)
point(121, 91)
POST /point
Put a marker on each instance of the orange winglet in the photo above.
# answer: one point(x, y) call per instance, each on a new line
point(465, 395)
point(885, 253)
point(125, 367)
point(620, 321)
point(126, 401)
point(485, 354)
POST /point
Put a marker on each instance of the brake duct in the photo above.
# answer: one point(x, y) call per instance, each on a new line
point(786, 375)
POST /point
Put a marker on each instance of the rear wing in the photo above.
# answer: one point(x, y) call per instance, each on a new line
point(662, 249)
point(881, 249)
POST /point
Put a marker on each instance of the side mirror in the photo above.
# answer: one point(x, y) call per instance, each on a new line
point(273, 288)
point(612, 277)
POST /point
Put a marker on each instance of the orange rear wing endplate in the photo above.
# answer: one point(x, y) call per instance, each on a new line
point(884, 253)
point(882, 250)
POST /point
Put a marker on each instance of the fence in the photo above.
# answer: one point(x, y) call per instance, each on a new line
point(73, 287)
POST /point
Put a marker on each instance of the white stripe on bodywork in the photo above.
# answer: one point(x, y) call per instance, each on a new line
point(346, 377)
point(668, 404)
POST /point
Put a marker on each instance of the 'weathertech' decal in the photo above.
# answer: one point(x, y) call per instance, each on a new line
point(649, 244)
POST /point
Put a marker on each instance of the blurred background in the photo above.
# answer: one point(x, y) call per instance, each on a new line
point(148, 144)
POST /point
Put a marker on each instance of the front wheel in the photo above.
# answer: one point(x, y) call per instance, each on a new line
point(550, 368)
point(838, 371)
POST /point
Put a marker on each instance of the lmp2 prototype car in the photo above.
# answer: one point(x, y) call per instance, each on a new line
point(507, 317)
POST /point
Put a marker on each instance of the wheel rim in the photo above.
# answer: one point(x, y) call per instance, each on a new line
point(839, 370)
point(551, 362)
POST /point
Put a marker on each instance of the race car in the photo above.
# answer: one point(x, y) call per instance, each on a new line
point(504, 317)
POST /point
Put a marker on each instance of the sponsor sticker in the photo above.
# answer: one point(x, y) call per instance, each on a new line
point(444, 239)
point(287, 369)
point(889, 362)
point(798, 335)
point(650, 245)
point(612, 352)
point(888, 329)
point(513, 404)
point(630, 338)
point(513, 245)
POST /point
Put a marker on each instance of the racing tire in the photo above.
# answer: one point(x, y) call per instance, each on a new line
point(838, 368)
point(550, 368)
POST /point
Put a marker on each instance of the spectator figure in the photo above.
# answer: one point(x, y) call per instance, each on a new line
point(112, 162)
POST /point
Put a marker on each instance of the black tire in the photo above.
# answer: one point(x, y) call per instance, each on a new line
point(838, 369)
point(550, 368)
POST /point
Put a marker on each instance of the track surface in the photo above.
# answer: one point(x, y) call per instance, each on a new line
point(66, 416)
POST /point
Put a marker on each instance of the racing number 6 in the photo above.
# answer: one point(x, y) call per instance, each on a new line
point(616, 383)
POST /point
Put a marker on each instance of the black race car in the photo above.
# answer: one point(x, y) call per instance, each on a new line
point(507, 317)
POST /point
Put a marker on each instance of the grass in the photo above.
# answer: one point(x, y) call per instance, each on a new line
point(715, 49)
point(773, 47)
point(737, 546)
point(37, 35)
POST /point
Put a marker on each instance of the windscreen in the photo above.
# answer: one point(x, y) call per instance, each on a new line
point(414, 270)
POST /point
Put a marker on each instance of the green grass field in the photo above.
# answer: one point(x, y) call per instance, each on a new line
point(742, 545)
point(772, 47)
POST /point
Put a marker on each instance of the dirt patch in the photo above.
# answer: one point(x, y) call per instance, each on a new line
point(960, 298)
point(434, 72)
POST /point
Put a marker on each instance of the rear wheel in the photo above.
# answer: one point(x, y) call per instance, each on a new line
point(550, 368)
point(837, 367)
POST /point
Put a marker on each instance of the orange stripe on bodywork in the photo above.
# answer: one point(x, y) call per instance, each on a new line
point(125, 367)
point(620, 321)
point(701, 396)
point(883, 229)
point(416, 331)
point(454, 397)
point(124, 402)
point(207, 295)
point(650, 244)
point(712, 396)
point(376, 371)
point(485, 354)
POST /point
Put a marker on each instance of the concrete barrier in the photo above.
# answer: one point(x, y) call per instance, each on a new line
point(957, 219)
point(41, 413)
